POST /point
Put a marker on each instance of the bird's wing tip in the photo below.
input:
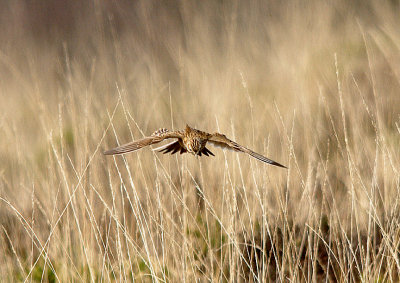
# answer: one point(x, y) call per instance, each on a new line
point(113, 152)
point(107, 152)
point(278, 164)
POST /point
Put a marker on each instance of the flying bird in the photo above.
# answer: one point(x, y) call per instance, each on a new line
point(189, 140)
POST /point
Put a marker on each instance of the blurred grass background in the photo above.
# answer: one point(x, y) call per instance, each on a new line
point(313, 85)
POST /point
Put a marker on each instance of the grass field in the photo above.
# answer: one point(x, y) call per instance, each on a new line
point(314, 85)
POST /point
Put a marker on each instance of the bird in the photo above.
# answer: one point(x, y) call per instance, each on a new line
point(189, 140)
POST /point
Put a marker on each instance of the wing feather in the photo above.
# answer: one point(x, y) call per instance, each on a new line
point(161, 148)
point(207, 152)
point(221, 140)
point(157, 137)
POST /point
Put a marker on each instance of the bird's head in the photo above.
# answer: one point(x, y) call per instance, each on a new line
point(188, 128)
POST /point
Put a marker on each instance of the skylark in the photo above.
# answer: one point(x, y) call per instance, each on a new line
point(190, 140)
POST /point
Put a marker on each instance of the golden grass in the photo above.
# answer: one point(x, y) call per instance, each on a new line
point(314, 86)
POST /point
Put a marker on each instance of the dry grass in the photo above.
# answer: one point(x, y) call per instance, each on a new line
point(314, 86)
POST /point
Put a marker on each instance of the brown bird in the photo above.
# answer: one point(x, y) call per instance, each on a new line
point(190, 140)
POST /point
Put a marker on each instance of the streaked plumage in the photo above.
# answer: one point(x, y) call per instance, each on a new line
point(190, 140)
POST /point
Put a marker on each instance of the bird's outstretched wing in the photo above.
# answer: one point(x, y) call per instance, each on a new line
point(156, 137)
point(221, 140)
